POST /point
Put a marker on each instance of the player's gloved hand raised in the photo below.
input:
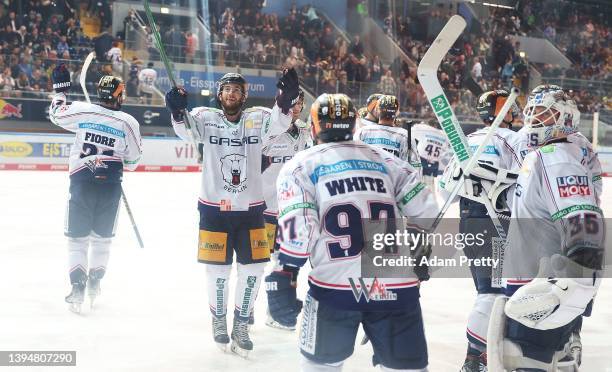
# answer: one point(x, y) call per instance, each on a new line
point(176, 102)
point(283, 305)
point(289, 86)
point(61, 78)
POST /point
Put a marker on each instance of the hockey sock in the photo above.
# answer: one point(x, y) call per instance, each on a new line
point(218, 288)
point(249, 279)
point(100, 253)
point(77, 259)
point(478, 321)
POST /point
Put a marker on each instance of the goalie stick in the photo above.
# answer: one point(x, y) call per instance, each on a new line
point(170, 71)
point(82, 81)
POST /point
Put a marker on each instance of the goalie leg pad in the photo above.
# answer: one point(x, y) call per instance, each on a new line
point(539, 345)
point(283, 305)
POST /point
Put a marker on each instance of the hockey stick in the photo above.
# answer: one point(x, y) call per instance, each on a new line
point(84, 69)
point(427, 73)
point(170, 71)
point(83, 76)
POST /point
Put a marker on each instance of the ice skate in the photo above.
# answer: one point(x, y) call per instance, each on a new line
point(251, 321)
point(270, 322)
point(241, 343)
point(76, 297)
point(220, 332)
point(474, 364)
point(93, 290)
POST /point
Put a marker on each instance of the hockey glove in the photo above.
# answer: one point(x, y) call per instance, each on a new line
point(61, 78)
point(289, 90)
point(421, 254)
point(176, 102)
point(283, 305)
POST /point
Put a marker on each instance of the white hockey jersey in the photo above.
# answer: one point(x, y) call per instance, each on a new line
point(275, 155)
point(391, 139)
point(555, 210)
point(432, 145)
point(325, 193)
point(106, 140)
point(147, 78)
point(591, 159)
point(232, 153)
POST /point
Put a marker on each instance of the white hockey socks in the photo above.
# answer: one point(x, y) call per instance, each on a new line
point(478, 321)
point(77, 259)
point(218, 288)
point(249, 279)
point(100, 253)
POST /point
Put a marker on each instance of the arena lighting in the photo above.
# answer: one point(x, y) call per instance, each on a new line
point(205, 92)
point(498, 6)
point(164, 10)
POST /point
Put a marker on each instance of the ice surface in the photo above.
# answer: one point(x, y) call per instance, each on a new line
point(153, 313)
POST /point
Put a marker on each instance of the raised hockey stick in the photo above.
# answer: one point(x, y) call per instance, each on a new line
point(428, 77)
point(84, 69)
point(170, 71)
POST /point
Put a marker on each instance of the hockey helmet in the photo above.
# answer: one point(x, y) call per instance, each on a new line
point(490, 104)
point(333, 118)
point(372, 103)
point(110, 88)
point(232, 78)
point(388, 106)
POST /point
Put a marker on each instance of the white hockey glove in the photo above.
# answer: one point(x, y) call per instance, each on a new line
point(554, 302)
point(485, 181)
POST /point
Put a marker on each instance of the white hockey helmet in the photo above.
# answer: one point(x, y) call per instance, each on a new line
point(549, 114)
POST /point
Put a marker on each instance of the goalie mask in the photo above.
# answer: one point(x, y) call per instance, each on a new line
point(111, 90)
point(333, 118)
point(490, 104)
point(549, 114)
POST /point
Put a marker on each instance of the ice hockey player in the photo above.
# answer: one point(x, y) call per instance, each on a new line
point(387, 136)
point(433, 148)
point(592, 159)
point(107, 141)
point(231, 202)
point(297, 138)
point(369, 113)
point(493, 177)
point(555, 238)
point(324, 194)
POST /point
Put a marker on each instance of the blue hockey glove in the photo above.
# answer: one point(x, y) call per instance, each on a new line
point(176, 102)
point(283, 305)
point(61, 78)
point(289, 86)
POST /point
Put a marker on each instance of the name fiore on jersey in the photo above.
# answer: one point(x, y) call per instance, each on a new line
point(106, 140)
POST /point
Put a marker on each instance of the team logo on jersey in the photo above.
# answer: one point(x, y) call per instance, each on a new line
point(286, 191)
point(234, 172)
point(94, 164)
point(376, 291)
point(573, 185)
